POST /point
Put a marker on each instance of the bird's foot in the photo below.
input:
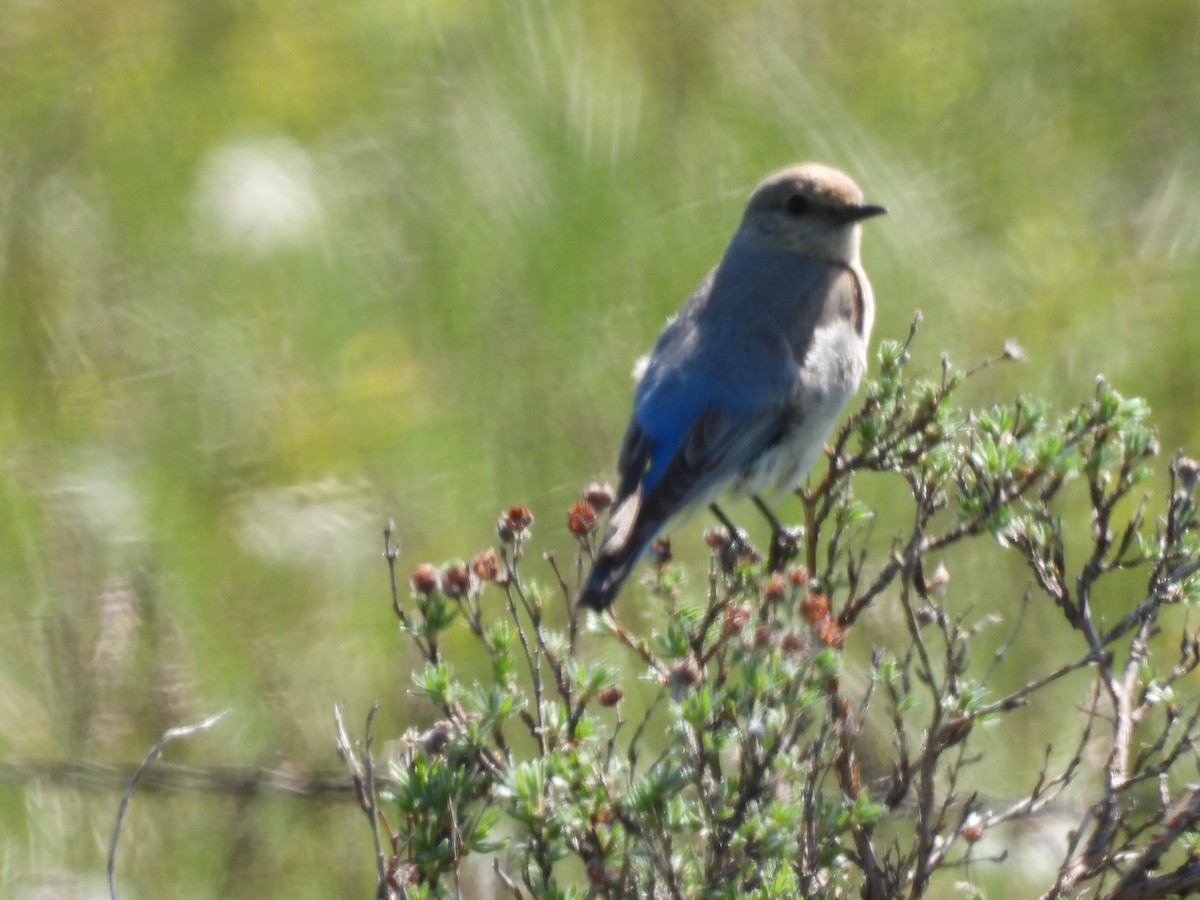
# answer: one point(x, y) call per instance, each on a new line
point(740, 551)
point(732, 547)
point(785, 546)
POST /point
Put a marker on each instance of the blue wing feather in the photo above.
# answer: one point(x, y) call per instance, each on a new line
point(720, 386)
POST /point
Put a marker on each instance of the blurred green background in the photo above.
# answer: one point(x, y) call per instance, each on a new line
point(272, 272)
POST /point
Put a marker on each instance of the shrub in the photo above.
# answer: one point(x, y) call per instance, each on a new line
point(770, 780)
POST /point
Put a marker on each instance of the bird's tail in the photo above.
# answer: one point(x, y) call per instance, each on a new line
point(628, 535)
point(604, 581)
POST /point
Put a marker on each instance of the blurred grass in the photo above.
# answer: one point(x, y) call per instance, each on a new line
point(270, 273)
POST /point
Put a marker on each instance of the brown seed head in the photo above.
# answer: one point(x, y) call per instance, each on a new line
point(582, 519)
point(437, 737)
point(513, 525)
point(456, 580)
point(1188, 471)
point(717, 538)
point(736, 617)
point(611, 695)
point(925, 615)
point(831, 634)
point(791, 643)
point(426, 579)
point(598, 496)
point(764, 635)
point(775, 588)
point(486, 565)
point(814, 607)
point(684, 676)
point(597, 872)
point(972, 828)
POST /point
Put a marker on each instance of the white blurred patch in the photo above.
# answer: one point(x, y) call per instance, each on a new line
point(1036, 845)
point(1169, 222)
point(102, 491)
point(258, 196)
point(55, 884)
point(321, 524)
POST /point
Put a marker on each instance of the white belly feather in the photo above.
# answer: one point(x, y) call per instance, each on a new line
point(832, 371)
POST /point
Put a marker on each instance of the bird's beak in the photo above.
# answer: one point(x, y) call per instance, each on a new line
point(863, 211)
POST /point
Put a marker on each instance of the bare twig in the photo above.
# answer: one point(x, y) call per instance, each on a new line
point(170, 734)
point(362, 772)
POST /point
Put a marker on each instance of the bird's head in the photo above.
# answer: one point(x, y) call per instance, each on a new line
point(808, 210)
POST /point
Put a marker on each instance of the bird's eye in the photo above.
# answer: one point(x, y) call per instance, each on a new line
point(797, 205)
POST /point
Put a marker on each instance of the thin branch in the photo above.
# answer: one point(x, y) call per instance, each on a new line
point(1136, 883)
point(362, 773)
point(170, 734)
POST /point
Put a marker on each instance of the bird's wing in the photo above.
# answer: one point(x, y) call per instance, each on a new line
point(723, 381)
point(719, 444)
point(659, 479)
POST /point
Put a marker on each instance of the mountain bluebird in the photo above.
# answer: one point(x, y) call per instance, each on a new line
point(747, 380)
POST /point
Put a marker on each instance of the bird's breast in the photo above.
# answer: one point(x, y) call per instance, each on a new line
point(829, 375)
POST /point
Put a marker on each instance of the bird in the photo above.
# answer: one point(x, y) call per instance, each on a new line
point(747, 380)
